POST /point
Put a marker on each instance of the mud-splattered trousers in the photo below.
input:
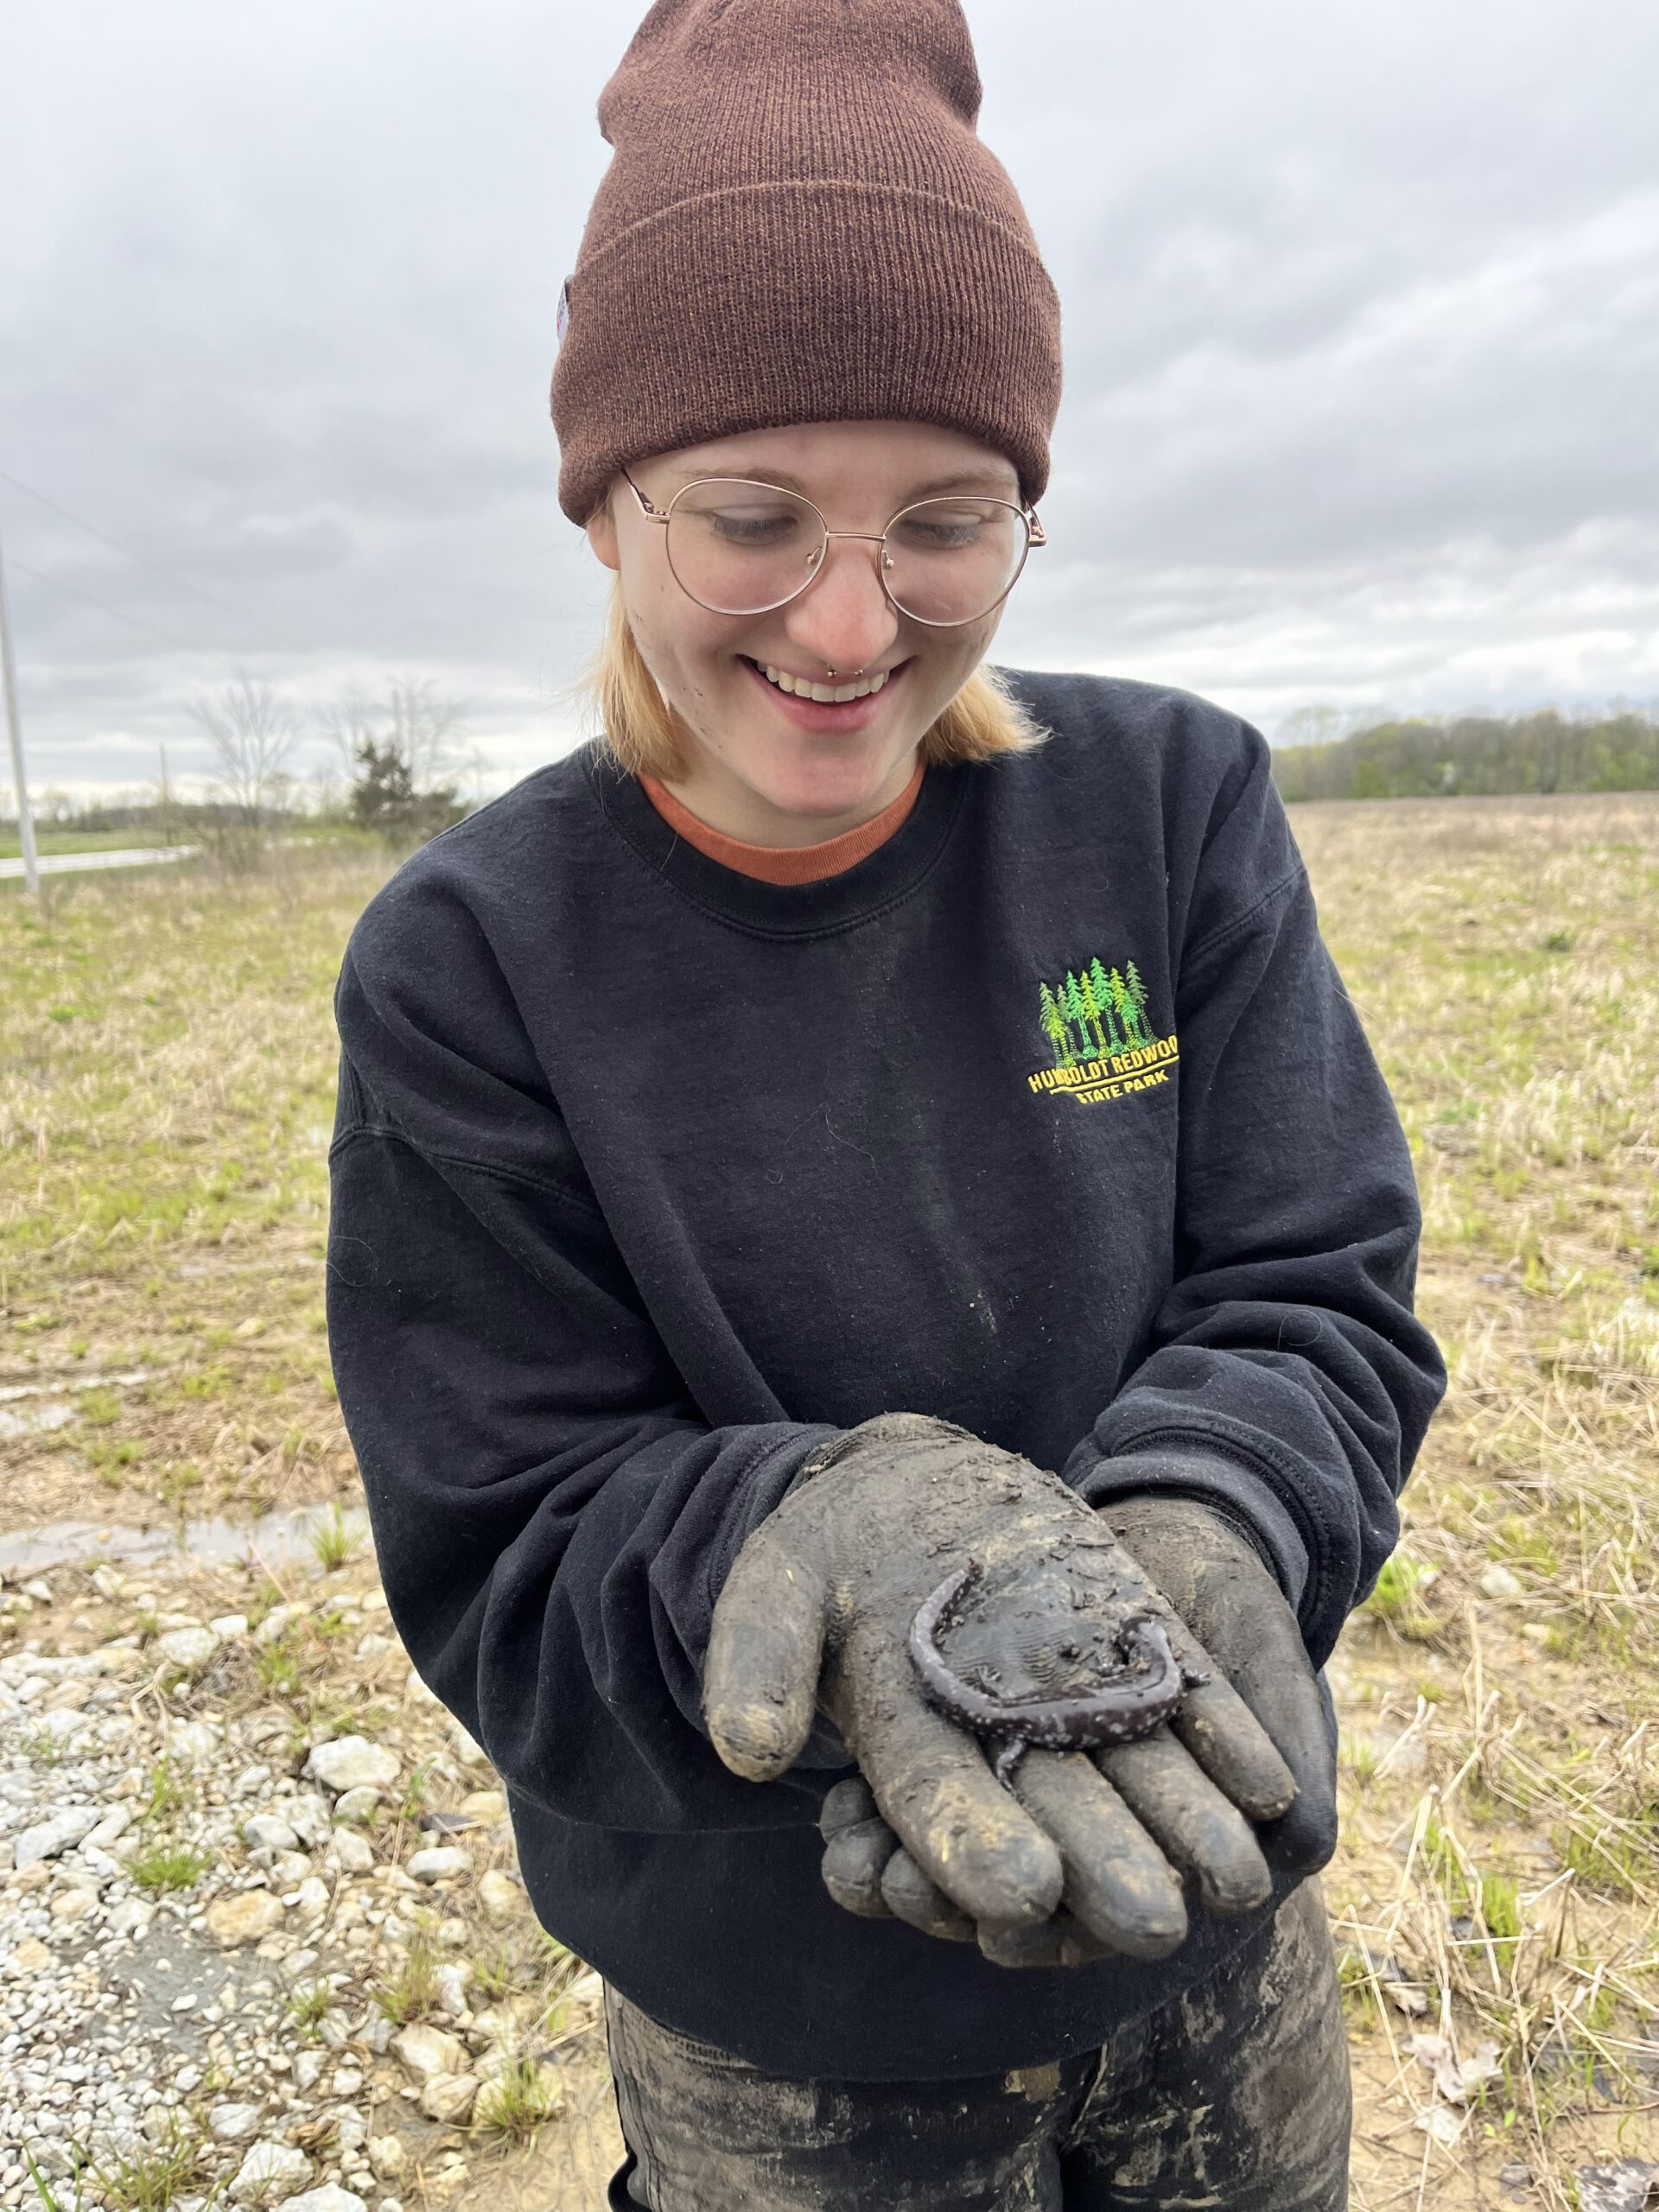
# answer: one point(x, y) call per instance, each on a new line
point(1235, 2094)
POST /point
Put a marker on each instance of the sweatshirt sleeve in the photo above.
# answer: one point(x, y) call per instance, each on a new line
point(553, 1519)
point(1288, 1381)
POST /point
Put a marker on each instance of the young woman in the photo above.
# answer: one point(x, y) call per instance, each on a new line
point(871, 1264)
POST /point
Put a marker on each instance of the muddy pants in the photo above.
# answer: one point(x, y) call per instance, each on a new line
point(1234, 2095)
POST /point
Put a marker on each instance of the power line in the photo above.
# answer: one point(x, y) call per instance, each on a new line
point(104, 608)
point(139, 562)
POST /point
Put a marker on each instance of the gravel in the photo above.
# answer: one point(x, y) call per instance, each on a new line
point(228, 1850)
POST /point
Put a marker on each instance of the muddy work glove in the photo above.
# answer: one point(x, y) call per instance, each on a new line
point(1217, 1582)
point(1029, 1608)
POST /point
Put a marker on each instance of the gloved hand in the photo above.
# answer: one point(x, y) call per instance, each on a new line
point(1219, 1586)
point(817, 1612)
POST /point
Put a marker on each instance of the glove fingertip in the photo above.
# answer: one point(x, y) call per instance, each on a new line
point(853, 1865)
point(846, 1804)
point(1058, 1942)
point(1304, 1839)
point(757, 1739)
point(760, 1674)
point(912, 1897)
point(1236, 1751)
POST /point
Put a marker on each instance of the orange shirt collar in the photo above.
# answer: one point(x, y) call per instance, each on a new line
point(781, 864)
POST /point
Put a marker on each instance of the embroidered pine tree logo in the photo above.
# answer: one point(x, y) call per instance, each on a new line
point(1098, 1023)
point(1094, 1011)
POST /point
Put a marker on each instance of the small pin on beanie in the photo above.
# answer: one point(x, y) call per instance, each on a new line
point(800, 224)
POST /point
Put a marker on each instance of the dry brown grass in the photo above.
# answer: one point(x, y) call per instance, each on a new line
point(1500, 1696)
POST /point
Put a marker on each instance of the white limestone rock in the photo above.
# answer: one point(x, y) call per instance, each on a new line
point(351, 1763)
point(439, 1864)
point(271, 2173)
point(190, 1648)
point(331, 2197)
point(428, 2051)
point(232, 2123)
point(268, 1832)
point(449, 2098)
point(47, 1837)
point(243, 1918)
point(502, 1899)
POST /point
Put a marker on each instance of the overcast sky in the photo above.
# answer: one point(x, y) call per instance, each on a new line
point(1361, 325)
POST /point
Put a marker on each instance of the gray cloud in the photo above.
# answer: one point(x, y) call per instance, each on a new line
point(1361, 317)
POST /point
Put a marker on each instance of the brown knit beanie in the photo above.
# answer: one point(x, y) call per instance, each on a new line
point(800, 225)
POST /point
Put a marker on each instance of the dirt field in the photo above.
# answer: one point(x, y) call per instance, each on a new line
point(164, 1114)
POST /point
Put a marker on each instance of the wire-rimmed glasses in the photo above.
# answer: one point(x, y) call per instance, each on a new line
point(737, 546)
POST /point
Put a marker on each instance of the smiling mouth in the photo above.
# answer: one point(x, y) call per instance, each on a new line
point(823, 695)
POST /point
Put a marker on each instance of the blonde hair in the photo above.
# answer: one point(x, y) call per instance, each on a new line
point(643, 736)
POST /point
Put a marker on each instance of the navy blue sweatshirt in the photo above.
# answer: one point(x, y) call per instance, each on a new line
point(1050, 1117)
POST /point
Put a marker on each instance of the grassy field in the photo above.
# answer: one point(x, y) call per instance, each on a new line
point(164, 1114)
point(165, 1110)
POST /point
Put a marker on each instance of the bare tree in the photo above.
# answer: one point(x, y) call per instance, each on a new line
point(414, 723)
point(347, 723)
point(251, 732)
point(400, 755)
point(476, 770)
point(424, 725)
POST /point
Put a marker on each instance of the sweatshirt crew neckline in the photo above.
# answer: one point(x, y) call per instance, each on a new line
point(798, 864)
point(892, 873)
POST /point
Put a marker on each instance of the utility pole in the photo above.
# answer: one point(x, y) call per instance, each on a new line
point(19, 781)
point(167, 804)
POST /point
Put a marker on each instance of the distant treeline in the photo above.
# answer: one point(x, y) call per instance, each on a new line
point(1477, 756)
point(150, 821)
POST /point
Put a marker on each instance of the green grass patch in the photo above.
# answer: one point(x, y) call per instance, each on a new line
point(1397, 1600)
point(171, 1791)
point(278, 1665)
point(1616, 1862)
point(410, 1991)
point(335, 1541)
point(307, 2006)
point(161, 1867)
point(154, 2178)
point(521, 2101)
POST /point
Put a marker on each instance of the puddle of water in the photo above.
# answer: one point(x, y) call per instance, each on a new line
point(39, 1421)
point(57, 1387)
point(282, 1537)
point(58, 1412)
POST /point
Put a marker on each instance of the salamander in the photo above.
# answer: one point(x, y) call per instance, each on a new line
point(1126, 1706)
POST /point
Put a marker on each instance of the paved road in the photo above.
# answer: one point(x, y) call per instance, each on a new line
point(71, 863)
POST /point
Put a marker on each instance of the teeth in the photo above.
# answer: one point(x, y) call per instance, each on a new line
point(823, 692)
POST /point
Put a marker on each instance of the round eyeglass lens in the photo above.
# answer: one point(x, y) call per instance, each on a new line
point(741, 547)
point(953, 560)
